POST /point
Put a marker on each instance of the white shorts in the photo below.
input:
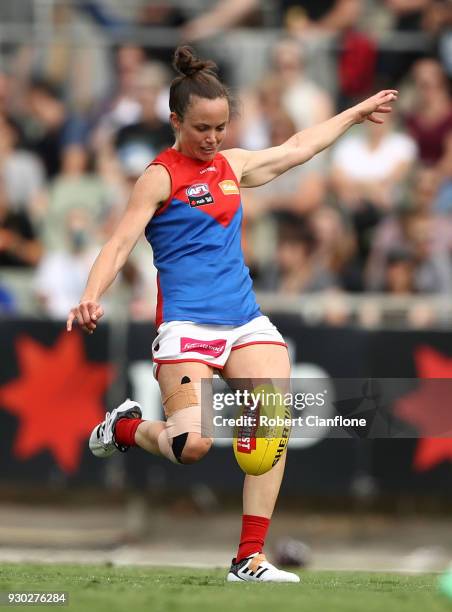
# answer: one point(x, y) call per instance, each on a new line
point(180, 341)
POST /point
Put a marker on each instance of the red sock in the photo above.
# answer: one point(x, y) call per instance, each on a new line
point(125, 431)
point(252, 538)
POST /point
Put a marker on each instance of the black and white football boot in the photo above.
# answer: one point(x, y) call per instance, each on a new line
point(256, 568)
point(102, 441)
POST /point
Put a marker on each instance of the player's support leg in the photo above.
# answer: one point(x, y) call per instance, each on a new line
point(257, 362)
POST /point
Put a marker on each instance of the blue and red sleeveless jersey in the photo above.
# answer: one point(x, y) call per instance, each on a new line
point(196, 240)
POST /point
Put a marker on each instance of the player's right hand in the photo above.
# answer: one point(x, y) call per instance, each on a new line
point(86, 314)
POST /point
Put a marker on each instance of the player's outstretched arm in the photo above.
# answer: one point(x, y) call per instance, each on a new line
point(153, 187)
point(258, 167)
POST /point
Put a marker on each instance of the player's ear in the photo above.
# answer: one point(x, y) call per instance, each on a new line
point(175, 121)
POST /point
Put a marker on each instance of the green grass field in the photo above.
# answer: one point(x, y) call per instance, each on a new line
point(137, 589)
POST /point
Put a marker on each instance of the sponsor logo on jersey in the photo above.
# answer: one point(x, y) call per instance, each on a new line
point(199, 195)
point(209, 169)
point(214, 348)
point(229, 187)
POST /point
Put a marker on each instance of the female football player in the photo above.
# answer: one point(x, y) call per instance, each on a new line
point(188, 204)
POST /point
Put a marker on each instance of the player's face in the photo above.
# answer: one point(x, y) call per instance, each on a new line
point(203, 127)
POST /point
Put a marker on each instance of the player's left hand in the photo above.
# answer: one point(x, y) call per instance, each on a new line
point(377, 104)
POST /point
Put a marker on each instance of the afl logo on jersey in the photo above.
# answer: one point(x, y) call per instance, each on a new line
point(199, 194)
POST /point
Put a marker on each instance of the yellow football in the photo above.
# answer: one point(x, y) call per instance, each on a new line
point(260, 441)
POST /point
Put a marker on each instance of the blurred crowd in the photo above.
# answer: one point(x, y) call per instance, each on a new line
point(372, 214)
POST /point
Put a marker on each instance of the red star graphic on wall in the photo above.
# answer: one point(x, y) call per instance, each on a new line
point(58, 398)
point(429, 408)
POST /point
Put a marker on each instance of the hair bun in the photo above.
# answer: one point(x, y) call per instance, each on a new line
point(187, 64)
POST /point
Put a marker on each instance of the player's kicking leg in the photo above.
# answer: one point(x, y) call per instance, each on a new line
point(179, 438)
point(102, 442)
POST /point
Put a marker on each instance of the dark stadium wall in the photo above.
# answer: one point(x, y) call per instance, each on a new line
point(54, 387)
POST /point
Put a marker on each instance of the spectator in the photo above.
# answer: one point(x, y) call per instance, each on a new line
point(81, 71)
point(54, 287)
point(430, 120)
point(285, 88)
point(418, 270)
point(400, 272)
point(368, 170)
point(48, 126)
point(336, 246)
point(75, 188)
point(150, 131)
point(260, 106)
point(357, 62)
point(19, 245)
point(429, 194)
point(433, 267)
point(400, 281)
point(428, 237)
point(303, 100)
point(369, 166)
point(408, 16)
point(120, 107)
point(300, 190)
point(21, 171)
point(297, 270)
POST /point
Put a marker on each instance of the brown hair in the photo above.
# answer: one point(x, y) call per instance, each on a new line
point(197, 78)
